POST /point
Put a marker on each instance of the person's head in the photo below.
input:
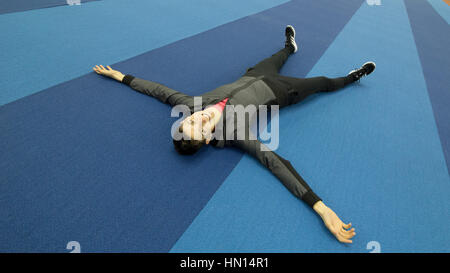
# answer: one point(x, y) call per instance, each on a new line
point(196, 130)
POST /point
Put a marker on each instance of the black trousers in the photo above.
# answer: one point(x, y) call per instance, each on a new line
point(292, 90)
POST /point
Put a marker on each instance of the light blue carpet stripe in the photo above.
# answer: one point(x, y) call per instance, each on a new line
point(442, 8)
point(45, 47)
point(371, 151)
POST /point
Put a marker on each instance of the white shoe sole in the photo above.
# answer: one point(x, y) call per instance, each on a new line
point(295, 43)
point(374, 66)
point(369, 63)
point(293, 29)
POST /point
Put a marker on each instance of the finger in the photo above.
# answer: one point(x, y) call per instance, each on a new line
point(109, 67)
point(347, 226)
point(336, 232)
point(343, 240)
point(345, 235)
point(350, 231)
point(102, 67)
point(344, 232)
point(351, 235)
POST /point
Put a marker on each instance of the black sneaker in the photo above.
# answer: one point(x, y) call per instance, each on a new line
point(290, 37)
point(365, 70)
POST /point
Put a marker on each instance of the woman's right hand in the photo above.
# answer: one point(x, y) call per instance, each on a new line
point(108, 72)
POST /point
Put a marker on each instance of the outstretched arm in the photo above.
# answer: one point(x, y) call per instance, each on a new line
point(159, 91)
point(286, 173)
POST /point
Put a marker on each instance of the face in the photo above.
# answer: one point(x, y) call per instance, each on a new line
point(199, 125)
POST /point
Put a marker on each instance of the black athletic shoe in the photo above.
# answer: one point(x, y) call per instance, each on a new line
point(365, 70)
point(290, 38)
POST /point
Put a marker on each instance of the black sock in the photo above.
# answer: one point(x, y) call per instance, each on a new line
point(351, 78)
point(290, 47)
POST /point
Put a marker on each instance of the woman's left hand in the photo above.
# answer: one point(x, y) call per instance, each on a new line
point(343, 232)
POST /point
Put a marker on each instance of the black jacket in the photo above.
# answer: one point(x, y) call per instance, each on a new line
point(245, 91)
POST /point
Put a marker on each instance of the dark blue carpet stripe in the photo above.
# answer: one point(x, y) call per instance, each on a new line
point(23, 5)
point(90, 160)
point(432, 37)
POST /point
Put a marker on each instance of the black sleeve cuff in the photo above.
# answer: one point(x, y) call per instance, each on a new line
point(127, 79)
point(310, 198)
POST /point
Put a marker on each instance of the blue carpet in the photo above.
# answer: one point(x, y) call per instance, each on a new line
point(39, 54)
point(23, 5)
point(432, 36)
point(371, 151)
point(92, 161)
